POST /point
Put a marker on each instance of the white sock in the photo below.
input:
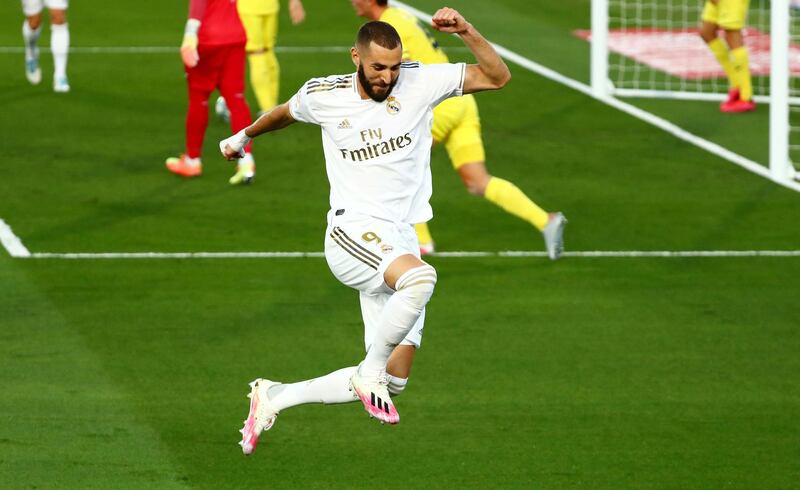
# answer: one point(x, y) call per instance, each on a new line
point(31, 38)
point(59, 43)
point(328, 389)
point(396, 385)
point(193, 162)
point(414, 289)
point(247, 159)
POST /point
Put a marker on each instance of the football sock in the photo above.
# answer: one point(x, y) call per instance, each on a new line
point(720, 50)
point(246, 160)
point(397, 385)
point(328, 389)
point(741, 65)
point(264, 73)
point(423, 233)
point(196, 122)
point(193, 162)
point(413, 291)
point(513, 200)
point(31, 38)
point(59, 43)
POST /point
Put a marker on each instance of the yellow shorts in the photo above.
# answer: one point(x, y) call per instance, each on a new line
point(728, 14)
point(456, 124)
point(261, 31)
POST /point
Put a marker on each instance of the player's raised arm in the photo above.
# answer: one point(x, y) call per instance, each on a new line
point(277, 118)
point(491, 72)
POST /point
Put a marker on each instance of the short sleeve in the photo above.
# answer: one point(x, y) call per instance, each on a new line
point(444, 80)
point(300, 106)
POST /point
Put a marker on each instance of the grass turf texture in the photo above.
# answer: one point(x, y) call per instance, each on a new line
point(596, 373)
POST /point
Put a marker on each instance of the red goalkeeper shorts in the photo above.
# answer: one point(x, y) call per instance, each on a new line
point(220, 67)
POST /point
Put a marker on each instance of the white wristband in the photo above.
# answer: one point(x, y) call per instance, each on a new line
point(240, 140)
point(192, 26)
point(237, 142)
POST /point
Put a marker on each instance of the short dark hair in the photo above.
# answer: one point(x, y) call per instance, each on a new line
point(378, 32)
point(382, 3)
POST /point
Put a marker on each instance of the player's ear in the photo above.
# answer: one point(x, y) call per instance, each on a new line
point(354, 55)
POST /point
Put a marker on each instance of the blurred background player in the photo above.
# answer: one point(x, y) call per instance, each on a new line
point(59, 40)
point(457, 125)
point(260, 20)
point(730, 15)
point(213, 56)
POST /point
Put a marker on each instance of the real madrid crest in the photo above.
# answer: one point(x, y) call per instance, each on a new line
point(392, 105)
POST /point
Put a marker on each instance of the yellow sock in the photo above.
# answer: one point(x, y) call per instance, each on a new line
point(264, 77)
point(720, 50)
point(741, 65)
point(423, 233)
point(510, 198)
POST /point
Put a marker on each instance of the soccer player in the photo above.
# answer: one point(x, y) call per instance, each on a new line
point(260, 19)
point(377, 141)
point(730, 15)
point(213, 57)
point(457, 125)
point(59, 40)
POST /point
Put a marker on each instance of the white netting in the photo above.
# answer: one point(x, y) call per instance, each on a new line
point(655, 45)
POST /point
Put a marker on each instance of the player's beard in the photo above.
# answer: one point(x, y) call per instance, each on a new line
point(362, 79)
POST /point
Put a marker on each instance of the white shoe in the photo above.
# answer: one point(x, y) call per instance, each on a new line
point(374, 394)
point(554, 235)
point(261, 417)
point(32, 71)
point(245, 171)
point(61, 85)
point(221, 110)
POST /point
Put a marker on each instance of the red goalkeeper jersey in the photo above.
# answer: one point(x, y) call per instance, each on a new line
point(219, 22)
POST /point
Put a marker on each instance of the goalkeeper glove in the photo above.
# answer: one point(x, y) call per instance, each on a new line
point(189, 45)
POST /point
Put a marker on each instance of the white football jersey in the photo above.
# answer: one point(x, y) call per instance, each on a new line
point(377, 154)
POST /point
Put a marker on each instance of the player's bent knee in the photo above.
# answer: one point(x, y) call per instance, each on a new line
point(475, 177)
point(58, 17)
point(417, 284)
point(397, 385)
point(34, 21)
point(475, 188)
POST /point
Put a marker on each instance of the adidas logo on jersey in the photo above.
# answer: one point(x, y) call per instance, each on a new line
point(345, 124)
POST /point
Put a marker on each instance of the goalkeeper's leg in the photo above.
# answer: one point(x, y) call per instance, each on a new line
point(231, 87)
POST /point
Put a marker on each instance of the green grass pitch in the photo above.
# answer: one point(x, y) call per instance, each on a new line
point(586, 373)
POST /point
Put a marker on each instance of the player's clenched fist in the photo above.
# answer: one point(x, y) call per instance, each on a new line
point(233, 148)
point(449, 20)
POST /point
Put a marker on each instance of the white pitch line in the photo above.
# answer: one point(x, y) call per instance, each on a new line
point(175, 50)
point(170, 49)
point(11, 242)
point(455, 254)
point(632, 110)
point(175, 255)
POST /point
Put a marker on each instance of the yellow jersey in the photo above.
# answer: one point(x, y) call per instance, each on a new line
point(418, 41)
point(258, 7)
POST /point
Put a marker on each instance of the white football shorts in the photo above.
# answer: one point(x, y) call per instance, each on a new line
point(359, 249)
point(33, 7)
